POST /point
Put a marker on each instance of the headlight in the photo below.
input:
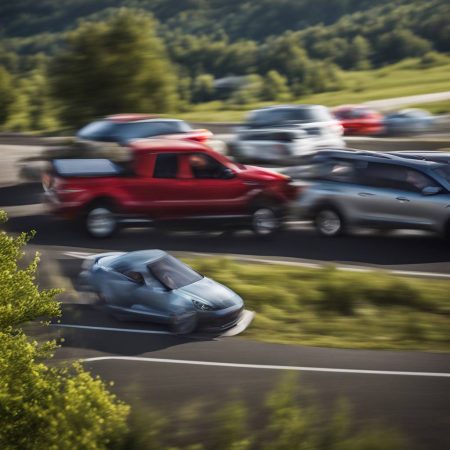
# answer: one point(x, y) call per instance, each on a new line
point(201, 306)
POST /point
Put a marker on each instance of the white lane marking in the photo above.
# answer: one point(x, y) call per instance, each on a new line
point(267, 367)
point(280, 262)
point(123, 330)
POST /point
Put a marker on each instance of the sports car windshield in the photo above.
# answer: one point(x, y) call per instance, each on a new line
point(173, 274)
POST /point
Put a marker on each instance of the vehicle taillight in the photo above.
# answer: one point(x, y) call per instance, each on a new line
point(201, 135)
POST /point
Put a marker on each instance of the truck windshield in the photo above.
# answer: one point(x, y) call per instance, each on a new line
point(172, 273)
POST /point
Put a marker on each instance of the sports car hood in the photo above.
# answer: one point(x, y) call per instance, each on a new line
point(215, 294)
point(253, 173)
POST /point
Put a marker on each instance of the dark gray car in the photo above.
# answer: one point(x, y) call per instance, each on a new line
point(153, 286)
point(341, 189)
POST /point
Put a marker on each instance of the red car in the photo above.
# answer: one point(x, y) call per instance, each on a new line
point(167, 180)
point(359, 120)
point(123, 128)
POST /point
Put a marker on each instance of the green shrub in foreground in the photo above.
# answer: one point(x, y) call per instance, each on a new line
point(41, 406)
point(290, 419)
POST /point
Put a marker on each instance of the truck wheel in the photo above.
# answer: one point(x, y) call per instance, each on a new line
point(100, 221)
point(265, 220)
point(329, 222)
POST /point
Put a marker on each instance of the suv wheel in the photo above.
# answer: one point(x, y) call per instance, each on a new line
point(329, 222)
point(100, 221)
point(265, 221)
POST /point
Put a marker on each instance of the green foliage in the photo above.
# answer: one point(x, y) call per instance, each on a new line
point(330, 307)
point(249, 93)
point(7, 94)
point(21, 300)
point(32, 109)
point(275, 87)
point(203, 88)
point(43, 407)
point(296, 423)
point(290, 418)
point(400, 43)
point(116, 65)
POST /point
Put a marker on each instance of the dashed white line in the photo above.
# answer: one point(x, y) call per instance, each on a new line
point(267, 367)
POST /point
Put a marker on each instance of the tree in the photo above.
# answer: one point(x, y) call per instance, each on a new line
point(203, 88)
point(401, 43)
point(7, 94)
point(275, 87)
point(249, 93)
point(359, 54)
point(42, 407)
point(113, 66)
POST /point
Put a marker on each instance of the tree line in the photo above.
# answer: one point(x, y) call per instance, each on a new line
point(126, 59)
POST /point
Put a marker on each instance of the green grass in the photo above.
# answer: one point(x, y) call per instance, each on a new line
point(408, 77)
point(333, 308)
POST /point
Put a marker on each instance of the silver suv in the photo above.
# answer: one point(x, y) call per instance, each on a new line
point(282, 133)
point(398, 190)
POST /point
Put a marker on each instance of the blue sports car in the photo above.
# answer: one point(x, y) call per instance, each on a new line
point(153, 286)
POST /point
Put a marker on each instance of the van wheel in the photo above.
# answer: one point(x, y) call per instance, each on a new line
point(329, 222)
point(100, 221)
point(265, 220)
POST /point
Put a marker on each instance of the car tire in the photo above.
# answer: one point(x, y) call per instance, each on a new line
point(100, 221)
point(266, 220)
point(329, 222)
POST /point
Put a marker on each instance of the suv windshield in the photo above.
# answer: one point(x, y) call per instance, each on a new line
point(172, 273)
point(110, 131)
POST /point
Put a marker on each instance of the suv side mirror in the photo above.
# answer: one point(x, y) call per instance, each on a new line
point(431, 190)
point(228, 174)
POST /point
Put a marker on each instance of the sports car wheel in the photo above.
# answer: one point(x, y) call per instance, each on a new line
point(100, 222)
point(265, 221)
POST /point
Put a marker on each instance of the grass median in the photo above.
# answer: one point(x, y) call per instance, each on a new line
point(334, 308)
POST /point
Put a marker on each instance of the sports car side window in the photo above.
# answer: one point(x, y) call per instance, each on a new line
point(135, 276)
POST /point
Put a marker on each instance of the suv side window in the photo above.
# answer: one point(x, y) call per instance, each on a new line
point(395, 177)
point(205, 167)
point(339, 170)
point(166, 165)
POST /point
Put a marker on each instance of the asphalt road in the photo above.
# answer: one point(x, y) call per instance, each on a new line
point(405, 390)
point(408, 391)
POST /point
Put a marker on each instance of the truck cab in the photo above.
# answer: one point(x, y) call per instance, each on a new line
point(167, 180)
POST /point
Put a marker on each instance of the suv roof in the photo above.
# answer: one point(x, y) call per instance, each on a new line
point(410, 158)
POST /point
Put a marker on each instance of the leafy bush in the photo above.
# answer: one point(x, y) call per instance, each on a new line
point(289, 419)
point(41, 406)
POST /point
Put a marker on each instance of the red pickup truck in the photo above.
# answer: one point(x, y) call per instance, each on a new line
point(167, 180)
